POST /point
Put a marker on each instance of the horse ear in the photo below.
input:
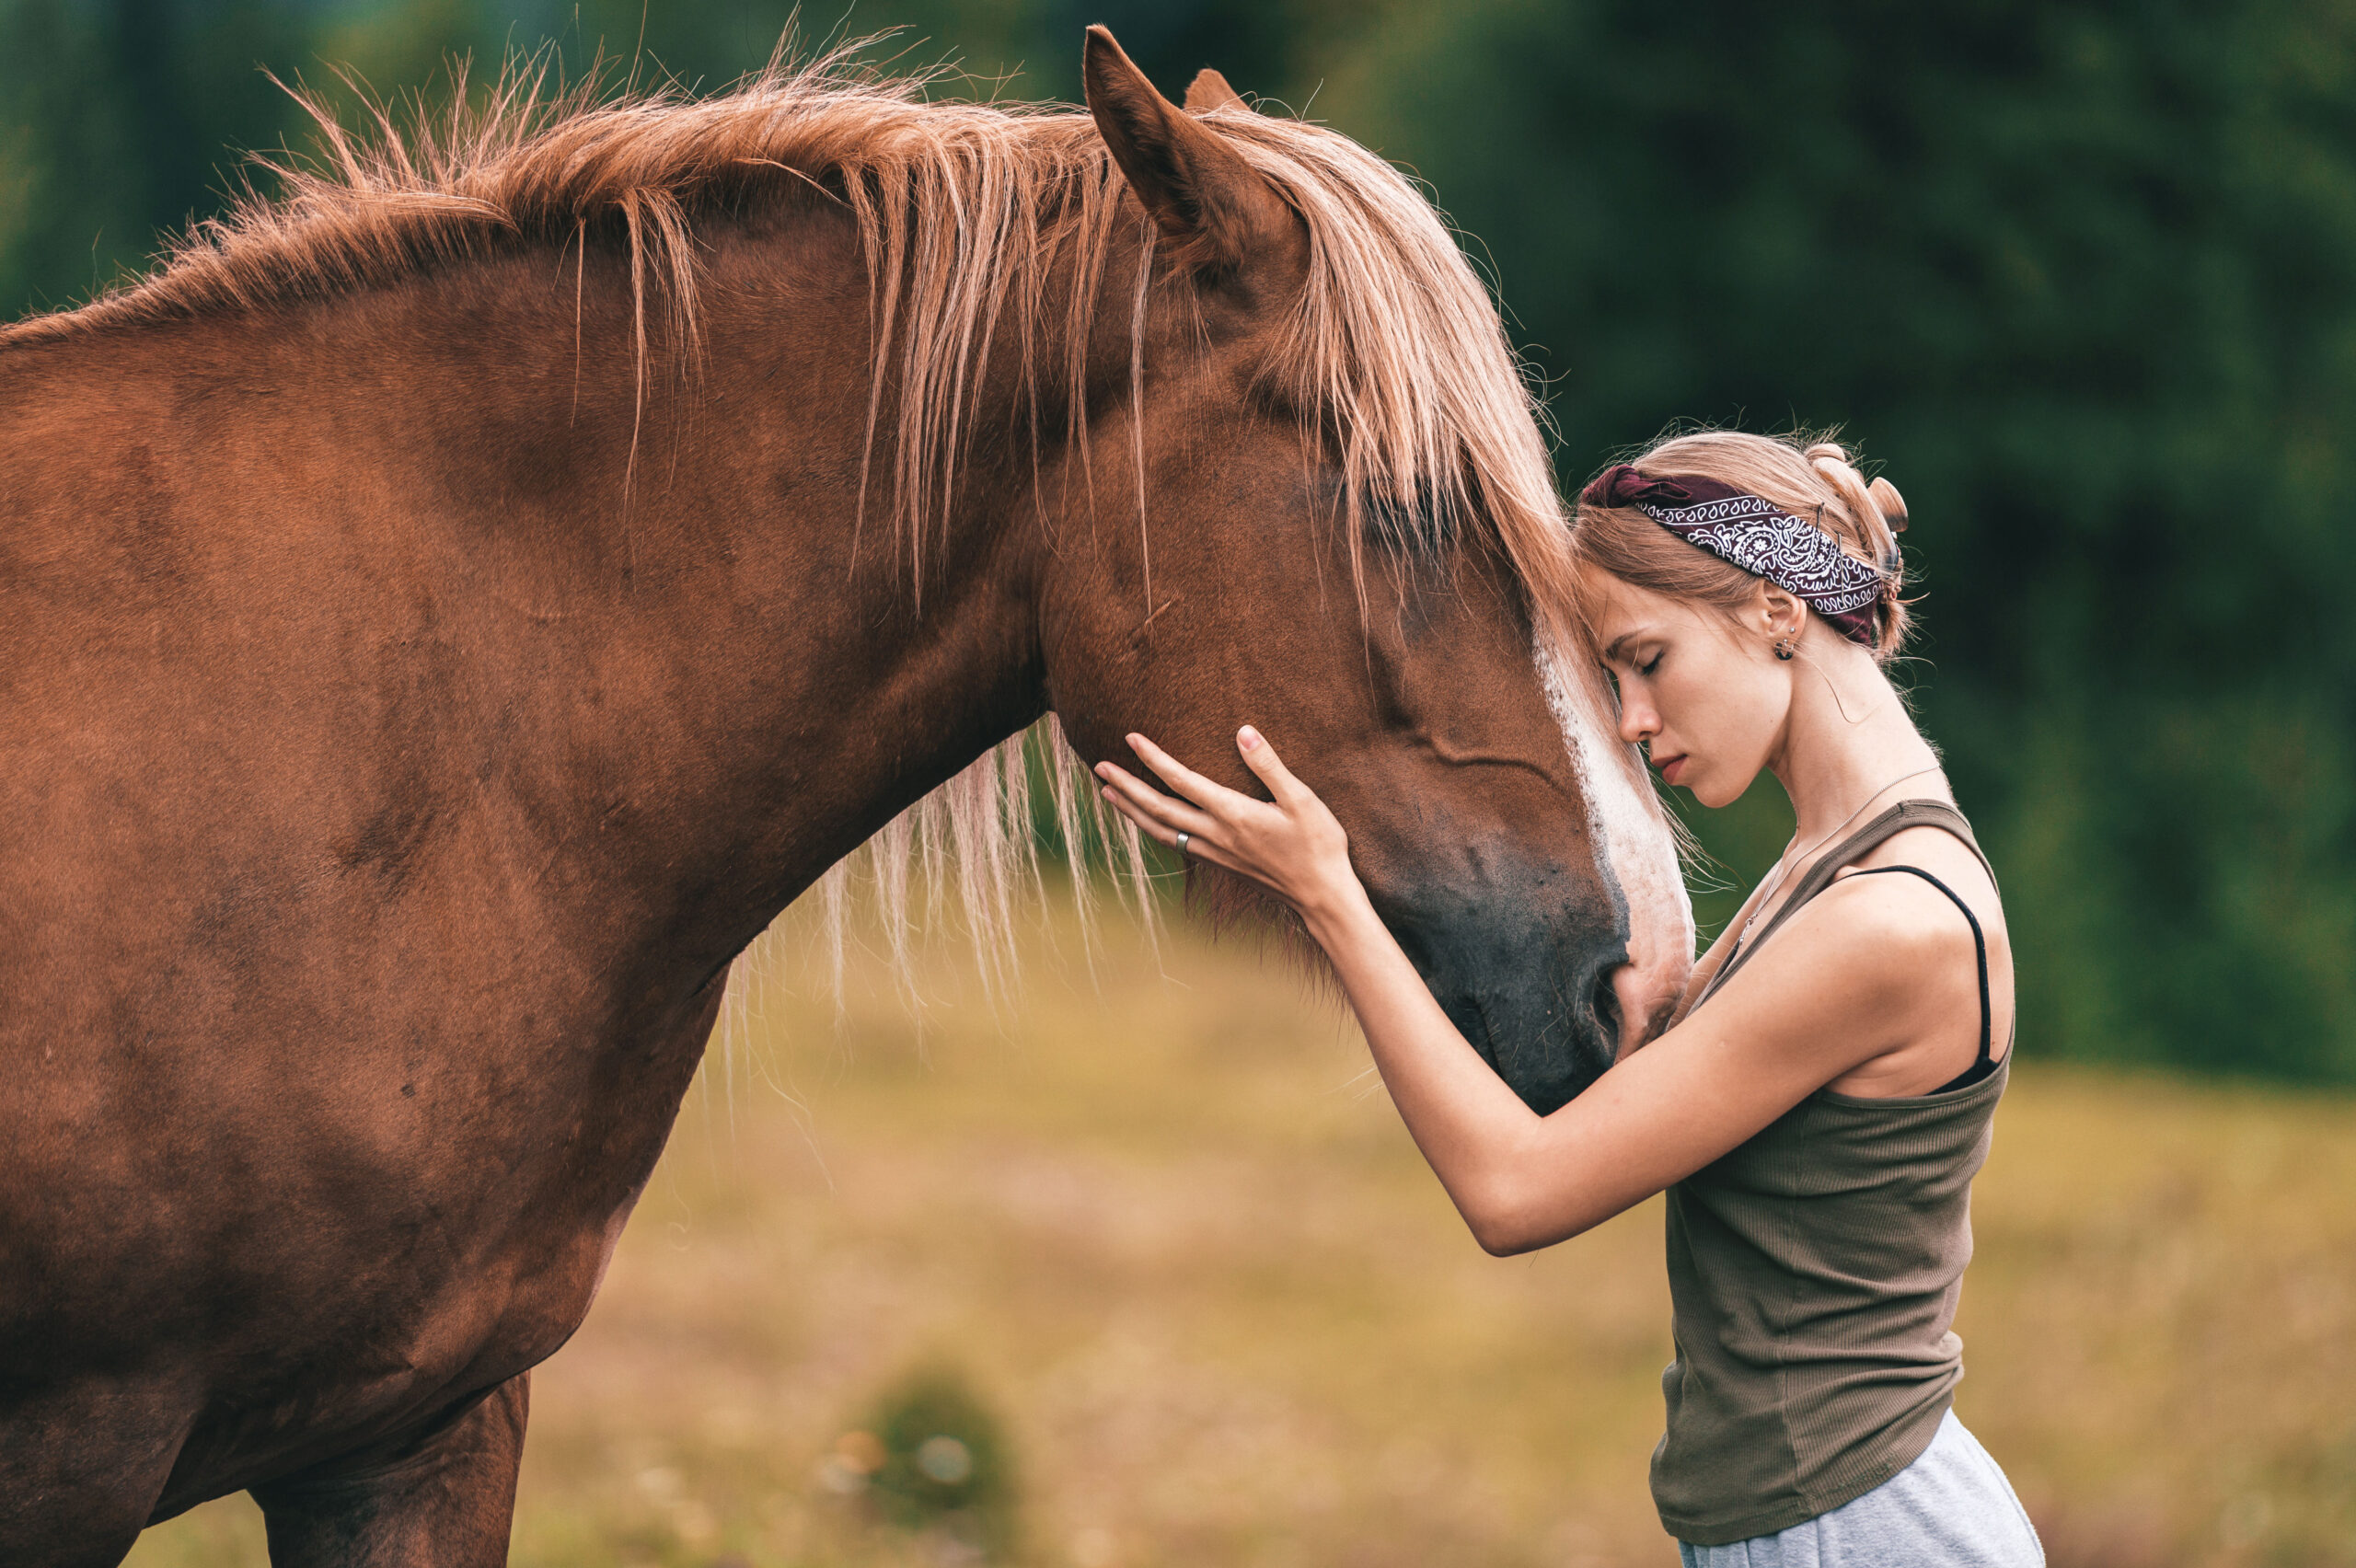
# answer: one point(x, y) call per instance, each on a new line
point(1209, 90)
point(1209, 205)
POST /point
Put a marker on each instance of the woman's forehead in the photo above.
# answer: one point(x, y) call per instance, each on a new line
point(1622, 608)
point(1625, 614)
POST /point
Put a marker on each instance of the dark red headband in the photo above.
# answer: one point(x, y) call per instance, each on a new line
point(1754, 533)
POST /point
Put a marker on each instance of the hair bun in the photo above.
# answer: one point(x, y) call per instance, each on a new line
point(1892, 505)
point(1877, 510)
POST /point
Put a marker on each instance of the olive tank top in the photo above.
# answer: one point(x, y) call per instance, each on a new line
point(1813, 1273)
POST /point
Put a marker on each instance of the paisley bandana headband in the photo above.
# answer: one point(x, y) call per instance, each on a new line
point(1756, 535)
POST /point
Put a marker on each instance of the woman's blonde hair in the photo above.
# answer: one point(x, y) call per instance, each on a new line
point(1814, 478)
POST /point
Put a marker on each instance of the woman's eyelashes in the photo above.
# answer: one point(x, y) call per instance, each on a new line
point(1637, 667)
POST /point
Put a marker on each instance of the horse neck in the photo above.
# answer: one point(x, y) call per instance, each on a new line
point(730, 680)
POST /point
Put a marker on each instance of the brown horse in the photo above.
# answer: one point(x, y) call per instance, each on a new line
point(451, 608)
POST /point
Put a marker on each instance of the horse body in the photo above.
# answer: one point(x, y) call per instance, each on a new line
point(479, 811)
point(413, 699)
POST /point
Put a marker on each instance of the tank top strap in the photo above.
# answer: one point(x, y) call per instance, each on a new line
point(1893, 821)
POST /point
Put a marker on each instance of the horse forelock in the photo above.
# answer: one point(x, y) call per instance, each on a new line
point(1393, 348)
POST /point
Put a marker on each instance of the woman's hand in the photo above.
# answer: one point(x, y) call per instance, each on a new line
point(1292, 846)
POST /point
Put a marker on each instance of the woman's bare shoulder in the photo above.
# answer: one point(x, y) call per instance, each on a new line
point(1853, 974)
point(1919, 963)
point(1946, 856)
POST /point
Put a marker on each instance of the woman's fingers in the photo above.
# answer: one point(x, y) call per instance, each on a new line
point(1147, 804)
point(1200, 846)
point(1153, 827)
point(1208, 793)
point(1261, 758)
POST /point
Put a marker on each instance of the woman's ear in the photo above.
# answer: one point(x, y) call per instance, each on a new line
point(1780, 613)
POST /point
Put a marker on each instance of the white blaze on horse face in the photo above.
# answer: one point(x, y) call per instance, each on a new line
point(1635, 846)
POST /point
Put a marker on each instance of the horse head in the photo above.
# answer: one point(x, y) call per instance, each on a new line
point(1341, 527)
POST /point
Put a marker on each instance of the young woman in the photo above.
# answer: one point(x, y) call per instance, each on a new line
point(1821, 1098)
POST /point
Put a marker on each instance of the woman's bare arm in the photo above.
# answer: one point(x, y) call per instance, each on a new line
point(1778, 1030)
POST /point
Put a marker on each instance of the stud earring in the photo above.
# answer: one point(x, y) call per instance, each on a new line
point(1783, 648)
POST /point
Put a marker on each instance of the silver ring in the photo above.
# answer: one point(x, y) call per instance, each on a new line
point(1182, 838)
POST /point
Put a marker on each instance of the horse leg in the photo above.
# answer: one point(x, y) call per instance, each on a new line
point(444, 1500)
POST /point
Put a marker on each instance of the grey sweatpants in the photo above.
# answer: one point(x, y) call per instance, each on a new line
point(1951, 1508)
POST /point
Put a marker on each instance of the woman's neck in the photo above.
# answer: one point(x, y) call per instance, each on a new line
point(1847, 743)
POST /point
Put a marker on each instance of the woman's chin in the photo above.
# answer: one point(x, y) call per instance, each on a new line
point(1688, 774)
point(1709, 791)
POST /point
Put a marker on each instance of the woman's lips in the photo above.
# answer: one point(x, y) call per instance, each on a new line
point(1669, 766)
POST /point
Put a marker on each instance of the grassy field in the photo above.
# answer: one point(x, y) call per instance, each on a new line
point(1156, 1215)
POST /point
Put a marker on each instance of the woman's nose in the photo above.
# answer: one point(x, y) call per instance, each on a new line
point(1637, 722)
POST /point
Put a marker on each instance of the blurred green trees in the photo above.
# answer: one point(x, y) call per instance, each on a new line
point(2083, 276)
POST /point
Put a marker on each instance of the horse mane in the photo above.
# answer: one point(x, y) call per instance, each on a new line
point(1393, 349)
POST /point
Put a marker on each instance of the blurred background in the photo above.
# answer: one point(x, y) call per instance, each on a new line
point(2080, 278)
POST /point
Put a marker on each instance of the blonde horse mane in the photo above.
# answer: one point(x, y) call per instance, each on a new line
point(1393, 348)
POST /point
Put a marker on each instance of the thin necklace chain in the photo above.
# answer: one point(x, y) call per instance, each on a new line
point(1791, 862)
